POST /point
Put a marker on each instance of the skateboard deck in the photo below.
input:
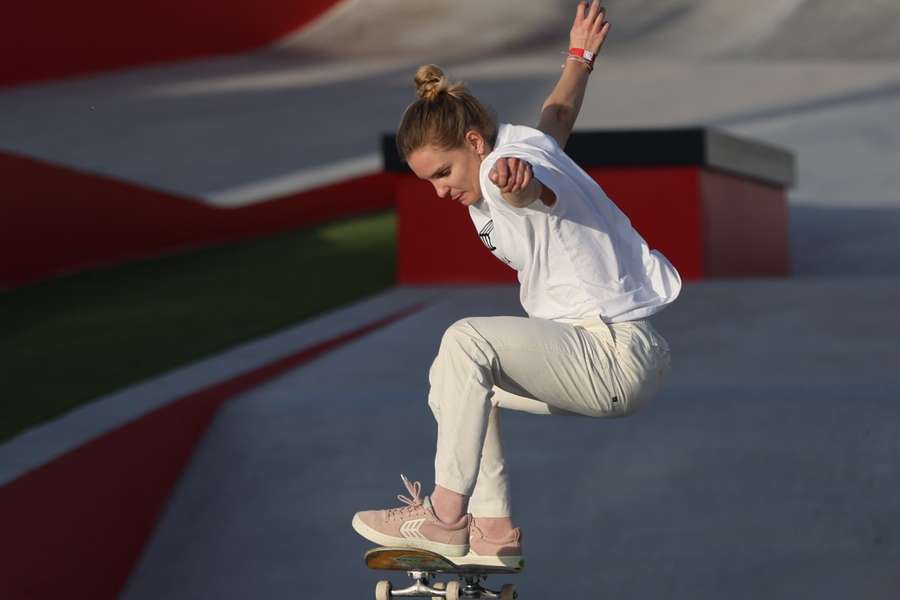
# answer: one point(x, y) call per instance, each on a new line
point(423, 565)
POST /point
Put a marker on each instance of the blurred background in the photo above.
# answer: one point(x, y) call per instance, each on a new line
point(208, 362)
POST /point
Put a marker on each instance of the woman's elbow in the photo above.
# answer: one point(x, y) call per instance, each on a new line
point(566, 116)
point(562, 114)
point(557, 122)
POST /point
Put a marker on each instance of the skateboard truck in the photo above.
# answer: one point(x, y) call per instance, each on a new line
point(422, 567)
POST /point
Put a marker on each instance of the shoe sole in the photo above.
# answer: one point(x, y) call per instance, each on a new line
point(373, 535)
point(507, 562)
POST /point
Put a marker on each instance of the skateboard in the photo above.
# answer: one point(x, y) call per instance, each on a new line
point(422, 566)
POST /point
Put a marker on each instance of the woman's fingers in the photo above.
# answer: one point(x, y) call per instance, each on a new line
point(520, 177)
point(511, 165)
point(511, 175)
point(516, 180)
point(600, 18)
point(521, 168)
point(588, 29)
point(502, 173)
point(526, 176)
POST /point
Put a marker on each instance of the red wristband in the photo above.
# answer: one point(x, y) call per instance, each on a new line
point(585, 54)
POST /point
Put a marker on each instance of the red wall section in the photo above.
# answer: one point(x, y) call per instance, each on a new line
point(746, 227)
point(44, 39)
point(663, 205)
point(54, 220)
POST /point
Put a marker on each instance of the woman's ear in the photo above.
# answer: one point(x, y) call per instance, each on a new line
point(476, 142)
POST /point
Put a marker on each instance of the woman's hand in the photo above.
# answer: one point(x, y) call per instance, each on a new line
point(560, 110)
point(511, 175)
point(515, 178)
point(590, 27)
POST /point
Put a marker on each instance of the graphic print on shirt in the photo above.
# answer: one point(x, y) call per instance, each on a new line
point(485, 235)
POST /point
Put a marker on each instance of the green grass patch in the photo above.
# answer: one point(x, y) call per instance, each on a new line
point(69, 340)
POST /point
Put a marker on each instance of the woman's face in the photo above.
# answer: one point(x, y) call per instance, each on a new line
point(453, 173)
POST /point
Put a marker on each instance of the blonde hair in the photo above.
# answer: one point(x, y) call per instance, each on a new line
point(442, 114)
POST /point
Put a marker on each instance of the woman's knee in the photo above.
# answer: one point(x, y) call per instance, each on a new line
point(461, 328)
point(462, 338)
point(461, 349)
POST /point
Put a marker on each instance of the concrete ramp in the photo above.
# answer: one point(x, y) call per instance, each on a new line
point(445, 28)
point(693, 28)
point(836, 29)
point(778, 29)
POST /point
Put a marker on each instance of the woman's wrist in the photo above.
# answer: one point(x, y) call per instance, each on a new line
point(584, 64)
point(579, 55)
point(593, 48)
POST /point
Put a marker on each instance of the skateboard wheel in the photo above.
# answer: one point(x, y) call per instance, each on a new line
point(452, 590)
point(508, 592)
point(383, 590)
point(438, 585)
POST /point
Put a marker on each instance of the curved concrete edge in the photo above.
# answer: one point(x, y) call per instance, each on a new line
point(49, 441)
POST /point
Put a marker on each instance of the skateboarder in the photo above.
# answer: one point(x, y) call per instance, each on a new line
point(588, 280)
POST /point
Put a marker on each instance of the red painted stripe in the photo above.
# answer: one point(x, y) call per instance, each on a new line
point(55, 220)
point(47, 39)
point(76, 526)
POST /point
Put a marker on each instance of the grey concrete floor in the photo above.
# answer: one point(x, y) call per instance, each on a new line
point(766, 468)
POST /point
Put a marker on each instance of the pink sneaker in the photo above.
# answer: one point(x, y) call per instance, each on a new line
point(504, 552)
point(414, 526)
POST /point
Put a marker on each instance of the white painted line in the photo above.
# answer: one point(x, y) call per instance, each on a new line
point(298, 181)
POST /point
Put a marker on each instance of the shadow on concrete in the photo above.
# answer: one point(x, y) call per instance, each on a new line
point(844, 242)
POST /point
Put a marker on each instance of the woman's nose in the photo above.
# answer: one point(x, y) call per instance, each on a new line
point(442, 190)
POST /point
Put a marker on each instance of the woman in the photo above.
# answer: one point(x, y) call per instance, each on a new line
point(588, 283)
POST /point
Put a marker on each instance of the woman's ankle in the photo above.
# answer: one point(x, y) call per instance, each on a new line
point(494, 527)
point(449, 506)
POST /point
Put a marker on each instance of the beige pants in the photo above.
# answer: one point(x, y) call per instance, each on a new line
point(533, 365)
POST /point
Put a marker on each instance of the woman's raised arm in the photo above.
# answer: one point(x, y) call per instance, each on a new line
point(561, 108)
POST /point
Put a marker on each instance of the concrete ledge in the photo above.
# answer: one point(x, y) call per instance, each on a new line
point(679, 147)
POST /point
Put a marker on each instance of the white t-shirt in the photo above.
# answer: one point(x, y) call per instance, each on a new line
point(579, 258)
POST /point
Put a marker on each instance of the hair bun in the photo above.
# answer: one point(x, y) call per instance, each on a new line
point(430, 81)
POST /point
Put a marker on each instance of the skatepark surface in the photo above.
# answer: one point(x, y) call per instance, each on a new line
point(768, 466)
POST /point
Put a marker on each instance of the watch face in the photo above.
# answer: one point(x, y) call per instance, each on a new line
point(589, 55)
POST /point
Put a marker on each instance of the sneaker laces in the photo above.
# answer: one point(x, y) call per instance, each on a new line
point(411, 503)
